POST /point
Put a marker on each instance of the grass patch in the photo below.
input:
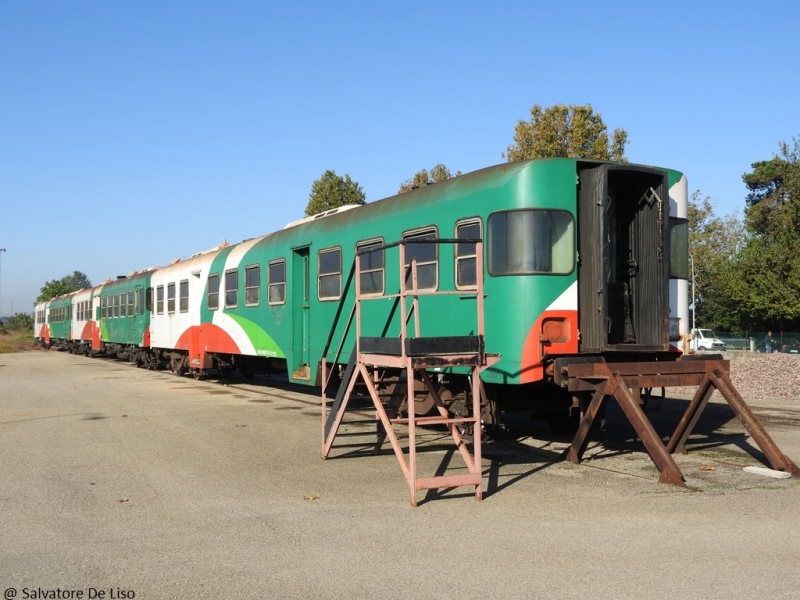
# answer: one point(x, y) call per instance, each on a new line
point(17, 340)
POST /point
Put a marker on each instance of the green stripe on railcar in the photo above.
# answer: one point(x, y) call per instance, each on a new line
point(124, 316)
point(60, 318)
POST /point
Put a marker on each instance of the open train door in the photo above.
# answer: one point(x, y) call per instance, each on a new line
point(623, 274)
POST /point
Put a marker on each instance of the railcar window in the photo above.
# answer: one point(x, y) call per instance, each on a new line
point(213, 291)
point(116, 305)
point(231, 288)
point(139, 301)
point(524, 242)
point(276, 282)
point(678, 248)
point(130, 303)
point(184, 299)
point(160, 300)
point(371, 265)
point(330, 274)
point(103, 307)
point(427, 256)
point(149, 299)
point(122, 304)
point(465, 257)
point(252, 285)
point(171, 298)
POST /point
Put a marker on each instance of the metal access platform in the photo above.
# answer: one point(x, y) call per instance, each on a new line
point(608, 379)
point(409, 356)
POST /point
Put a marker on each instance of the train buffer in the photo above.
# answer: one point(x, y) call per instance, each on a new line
point(409, 357)
point(605, 380)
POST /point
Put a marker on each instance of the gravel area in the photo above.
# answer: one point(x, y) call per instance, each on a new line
point(762, 376)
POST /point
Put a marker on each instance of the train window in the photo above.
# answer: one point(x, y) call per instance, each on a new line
point(116, 305)
point(171, 298)
point(122, 304)
point(524, 242)
point(148, 299)
point(678, 248)
point(371, 266)
point(231, 288)
point(103, 305)
point(212, 299)
point(330, 274)
point(184, 296)
point(252, 285)
point(465, 257)
point(213, 291)
point(427, 256)
point(130, 303)
point(139, 301)
point(160, 300)
point(276, 282)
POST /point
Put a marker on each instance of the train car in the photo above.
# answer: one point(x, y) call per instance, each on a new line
point(124, 316)
point(41, 323)
point(582, 258)
point(84, 333)
point(59, 318)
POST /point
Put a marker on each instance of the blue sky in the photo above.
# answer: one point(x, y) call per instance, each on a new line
point(132, 133)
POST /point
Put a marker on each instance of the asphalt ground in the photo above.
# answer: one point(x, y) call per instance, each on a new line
point(123, 483)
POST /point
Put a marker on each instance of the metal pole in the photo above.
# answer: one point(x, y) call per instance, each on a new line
point(694, 306)
point(1, 303)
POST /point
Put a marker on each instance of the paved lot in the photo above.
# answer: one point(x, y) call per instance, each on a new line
point(134, 482)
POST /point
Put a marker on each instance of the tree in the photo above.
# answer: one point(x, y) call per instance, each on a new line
point(714, 244)
point(767, 283)
point(569, 131)
point(67, 284)
point(438, 173)
point(19, 321)
point(331, 191)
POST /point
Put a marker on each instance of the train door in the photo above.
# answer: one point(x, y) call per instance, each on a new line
point(139, 316)
point(301, 301)
point(623, 276)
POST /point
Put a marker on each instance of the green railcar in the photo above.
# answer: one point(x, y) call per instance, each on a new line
point(570, 246)
point(124, 316)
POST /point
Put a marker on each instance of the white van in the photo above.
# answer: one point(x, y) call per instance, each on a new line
point(704, 340)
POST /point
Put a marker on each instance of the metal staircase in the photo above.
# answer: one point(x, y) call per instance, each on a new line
point(408, 357)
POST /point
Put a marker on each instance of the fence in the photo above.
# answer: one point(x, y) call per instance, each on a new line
point(755, 341)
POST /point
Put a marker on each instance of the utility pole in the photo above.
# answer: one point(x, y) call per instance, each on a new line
point(694, 306)
point(1, 297)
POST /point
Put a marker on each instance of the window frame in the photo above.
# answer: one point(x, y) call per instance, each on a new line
point(183, 306)
point(235, 291)
point(276, 284)
point(160, 299)
point(419, 232)
point(363, 244)
point(550, 273)
point(131, 300)
point(171, 298)
point(329, 274)
point(215, 293)
point(457, 258)
point(247, 288)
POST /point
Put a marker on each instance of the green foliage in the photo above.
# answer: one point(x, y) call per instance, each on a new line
point(19, 321)
point(566, 131)
point(767, 282)
point(438, 173)
point(331, 191)
point(714, 243)
point(67, 284)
